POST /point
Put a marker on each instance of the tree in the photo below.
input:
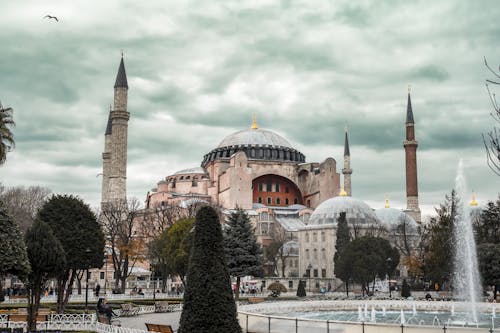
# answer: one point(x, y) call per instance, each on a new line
point(243, 253)
point(489, 265)
point(370, 257)
point(76, 227)
point(438, 240)
point(492, 139)
point(208, 300)
point(13, 255)
point(22, 203)
point(341, 267)
point(120, 221)
point(177, 242)
point(301, 289)
point(7, 142)
point(487, 229)
point(405, 289)
point(47, 258)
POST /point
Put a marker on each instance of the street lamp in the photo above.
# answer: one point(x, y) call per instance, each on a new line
point(105, 272)
point(389, 260)
point(87, 252)
point(309, 267)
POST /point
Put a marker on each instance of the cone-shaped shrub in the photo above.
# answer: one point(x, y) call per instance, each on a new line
point(405, 289)
point(208, 300)
point(301, 289)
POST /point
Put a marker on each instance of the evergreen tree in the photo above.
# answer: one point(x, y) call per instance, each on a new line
point(76, 227)
point(489, 265)
point(342, 268)
point(405, 289)
point(47, 258)
point(13, 255)
point(301, 289)
point(243, 252)
point(177, 243)
point(209, 305)
point(488, 228)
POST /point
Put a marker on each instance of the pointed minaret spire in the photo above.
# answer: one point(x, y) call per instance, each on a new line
point(254, 122)
point(121, 77)
point(347, 171)
point(108, 126)
point(387, 202)
point(473, 202)
point(410, 145)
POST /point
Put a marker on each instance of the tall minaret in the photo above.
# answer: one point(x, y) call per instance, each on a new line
point(347, 171)
point(117, 189)
point(411, 145)
point(106, 161)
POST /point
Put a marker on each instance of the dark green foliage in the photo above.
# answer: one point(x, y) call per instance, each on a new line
point(243, 252)
point(370, 257)
point(7, 142)
point(208, 300)
point(76, 227)
point(13, 255)
point(47, 258)
point(301, 289)
point(405, 289)
point(488, 228)
point(489, 264)
point(342, 268)
point(438, 241)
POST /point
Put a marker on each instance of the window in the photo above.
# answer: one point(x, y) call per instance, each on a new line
point(269, 187)
point(278, 201)
point(323, 254)
point(269, 200)
point(315, 237)
point(287, 190)
point(315, 254)
point(286, 201)
point(295, 201)
point(290, 284)
point(315, 272)
point(259, 199)
point(296, 262)
point(308, 273)
point(264, 228)
point(307, 237)
point(101, 275)
point(323, 272)
point(263, 283)
point(322, 236)
point(307, 254)
point(308, 203)
point(277, 187)
point(261, 187)
point(89, 275)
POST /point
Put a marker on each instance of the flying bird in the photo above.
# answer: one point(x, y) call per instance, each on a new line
point(51, 17)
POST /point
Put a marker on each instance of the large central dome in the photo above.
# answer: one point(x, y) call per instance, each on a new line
point(257, 144)
point(254, 137)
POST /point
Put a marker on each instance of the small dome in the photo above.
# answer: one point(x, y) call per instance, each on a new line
point(196, 170)
point(254, 137)
point(391, 218)
point(356, 212)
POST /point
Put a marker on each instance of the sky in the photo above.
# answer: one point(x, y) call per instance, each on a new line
point(198, 70)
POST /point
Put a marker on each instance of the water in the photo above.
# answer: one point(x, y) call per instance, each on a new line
point(466, 279)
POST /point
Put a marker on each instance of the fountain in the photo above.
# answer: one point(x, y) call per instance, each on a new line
point(466, 272)
point(402, 317)
point(373, 315)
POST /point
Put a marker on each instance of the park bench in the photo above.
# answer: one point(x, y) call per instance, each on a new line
point(159, 328)
point(128, 310)
point(255, 300)
point(161, 306)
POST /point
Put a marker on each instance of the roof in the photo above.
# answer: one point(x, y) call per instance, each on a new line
point(409, 111)
point(392, 218)
point(356, 211)
point(254, 137)
point(137, 271)
point(121, 77)
point(108, 126)
point(346, 145)
point(290, 223)
point(195, 170)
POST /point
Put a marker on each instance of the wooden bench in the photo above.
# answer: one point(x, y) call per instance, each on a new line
point(161, 306)
point(159, 328)
point(255, 300)
point(24, 317)
point(128, 310)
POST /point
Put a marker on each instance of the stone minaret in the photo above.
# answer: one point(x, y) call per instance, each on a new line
point(119, 116)
point(347, 171)
point(106, 161)
point(411, 145)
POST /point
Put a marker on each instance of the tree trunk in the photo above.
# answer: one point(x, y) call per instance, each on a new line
point(347, 287)
point(237, 293)
point(34, 303)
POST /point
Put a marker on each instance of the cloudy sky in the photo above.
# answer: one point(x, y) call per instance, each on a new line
point(198, 70)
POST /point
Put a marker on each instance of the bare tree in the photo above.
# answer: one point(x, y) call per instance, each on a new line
point(491, 139)
point(121, 221)
point(277, 252)
point(22, 203)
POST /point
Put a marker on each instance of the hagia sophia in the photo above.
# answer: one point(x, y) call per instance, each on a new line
point(284, 194)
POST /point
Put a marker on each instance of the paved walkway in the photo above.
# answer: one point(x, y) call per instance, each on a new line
point(139, 322)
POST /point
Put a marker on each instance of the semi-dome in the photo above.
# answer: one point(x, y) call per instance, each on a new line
point(195, 170)
point(257, 144)
point(356, 211)
point(393, 219)
point(254, 137)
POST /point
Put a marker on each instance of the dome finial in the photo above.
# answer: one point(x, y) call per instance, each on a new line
point(473, 202)
point(254, 122)
point(343, 193)
point(387, 201)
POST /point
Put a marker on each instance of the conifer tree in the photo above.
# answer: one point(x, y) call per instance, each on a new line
point(13, 255)
point(47, 258)
point(209, 305)
point(243, 252)
point(405, 289)
point(301, 289)
point(342, 268)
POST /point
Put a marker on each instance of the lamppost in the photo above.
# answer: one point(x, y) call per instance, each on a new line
point(309, 267)
point(105, 273)
point(87, 252)
point(389, 261)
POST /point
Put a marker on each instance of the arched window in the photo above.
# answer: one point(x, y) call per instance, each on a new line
point(260, 199)
point(307, 237)
point(278, 201)
point(315, 254)
point(269, 200)
point(315, 237)
point(286, 201)
point(295, 201)
point(323, 254)
point(307, 254)
point(323, 236)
